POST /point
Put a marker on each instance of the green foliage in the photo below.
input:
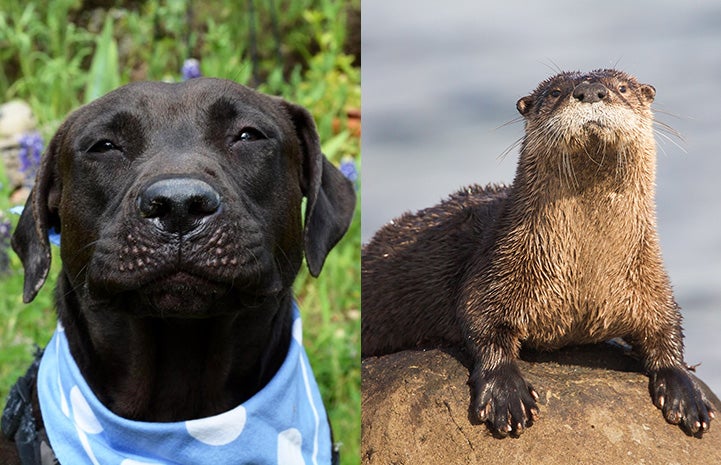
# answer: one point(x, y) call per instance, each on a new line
point(21, 326)
point(42, 56)
point(56, 57)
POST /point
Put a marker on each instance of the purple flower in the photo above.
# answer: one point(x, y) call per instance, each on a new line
point(5, 227)
point(191, 69)
point(349, 170)
point(31, 150)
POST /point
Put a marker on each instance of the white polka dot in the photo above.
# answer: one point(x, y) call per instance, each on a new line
point(298, 331)
point(289, 447)
point(84, 417)
point(220, 429)
point(86, 445)
point(63, 401)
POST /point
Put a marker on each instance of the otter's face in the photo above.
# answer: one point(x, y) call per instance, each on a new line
point(603, 109)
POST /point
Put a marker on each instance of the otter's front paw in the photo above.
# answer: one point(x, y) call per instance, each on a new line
point(677, 395)
point(504, 399)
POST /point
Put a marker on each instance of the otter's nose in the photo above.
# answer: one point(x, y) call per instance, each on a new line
point(589, 92)
point(178, 205)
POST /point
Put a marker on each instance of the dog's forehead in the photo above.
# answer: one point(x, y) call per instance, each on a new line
point(182, 100)
point(192, 91)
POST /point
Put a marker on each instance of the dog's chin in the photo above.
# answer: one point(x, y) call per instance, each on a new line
point(183, 295)
point(183, 292)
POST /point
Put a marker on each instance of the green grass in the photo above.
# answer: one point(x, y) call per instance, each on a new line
point(56, 65)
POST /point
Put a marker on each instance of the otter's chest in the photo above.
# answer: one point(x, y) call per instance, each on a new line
point(578, 316)
point(582, 267)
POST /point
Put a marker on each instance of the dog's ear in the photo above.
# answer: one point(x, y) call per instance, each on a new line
point(330, 196)
point(30, 239)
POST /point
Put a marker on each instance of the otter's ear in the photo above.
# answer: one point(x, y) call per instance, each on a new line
point(524, 105)
point(330, 196)
point(648, 92)
point(30, 239)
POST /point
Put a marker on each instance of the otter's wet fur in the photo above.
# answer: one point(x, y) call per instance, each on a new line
point(568, 254)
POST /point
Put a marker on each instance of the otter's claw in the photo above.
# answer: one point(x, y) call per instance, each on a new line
point(504, 400)
point(678, 396)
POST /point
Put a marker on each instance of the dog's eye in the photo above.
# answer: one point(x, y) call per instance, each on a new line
point(249, 135)
point(103, 146)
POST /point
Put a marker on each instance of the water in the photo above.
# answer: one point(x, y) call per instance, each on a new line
point(441, 80)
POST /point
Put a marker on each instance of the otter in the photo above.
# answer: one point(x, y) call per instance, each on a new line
point(567, 254)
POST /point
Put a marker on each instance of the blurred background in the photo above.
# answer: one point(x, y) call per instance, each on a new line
point(441, 81)
point(56, 55)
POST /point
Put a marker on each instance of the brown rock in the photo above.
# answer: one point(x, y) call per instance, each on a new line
point(595, 409)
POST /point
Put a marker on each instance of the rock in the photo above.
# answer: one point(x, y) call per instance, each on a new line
point(16, 119)
point(595, 409)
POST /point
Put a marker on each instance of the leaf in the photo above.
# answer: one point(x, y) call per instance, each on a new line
point(104, 72)
point(332, 146)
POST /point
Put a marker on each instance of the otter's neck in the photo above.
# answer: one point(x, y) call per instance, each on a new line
point(173, 369)
point(625, 174)
point(605, 198)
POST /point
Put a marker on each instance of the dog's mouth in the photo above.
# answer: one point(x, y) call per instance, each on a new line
point(199, 276)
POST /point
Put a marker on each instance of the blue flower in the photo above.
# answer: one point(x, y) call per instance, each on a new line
point(54, 236)
point(31, 150)
point(349, 170)
point(191, 69)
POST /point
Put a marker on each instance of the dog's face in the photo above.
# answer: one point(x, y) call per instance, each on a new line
point(175, 197)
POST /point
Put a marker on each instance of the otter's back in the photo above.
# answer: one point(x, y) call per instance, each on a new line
point(409, 297)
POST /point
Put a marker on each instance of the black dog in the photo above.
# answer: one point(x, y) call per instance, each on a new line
point(179, 207)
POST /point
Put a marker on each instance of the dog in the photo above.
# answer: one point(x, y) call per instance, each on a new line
point(179, 209)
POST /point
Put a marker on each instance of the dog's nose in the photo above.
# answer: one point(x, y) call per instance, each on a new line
point(179, 205)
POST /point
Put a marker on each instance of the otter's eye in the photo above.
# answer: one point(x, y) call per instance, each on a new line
point(555, 93)
point(622, 88)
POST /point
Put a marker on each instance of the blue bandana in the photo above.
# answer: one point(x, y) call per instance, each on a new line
point(285, 423)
